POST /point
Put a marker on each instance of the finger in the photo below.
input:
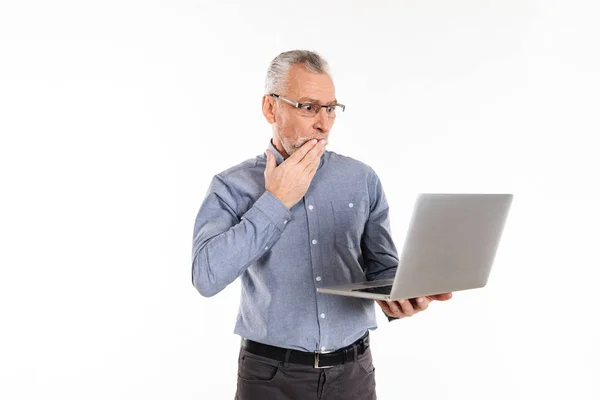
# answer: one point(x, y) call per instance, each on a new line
point(311, 172)
point(441, 297)
point(386, 309)
point(384, 306)
point(312, 167)
point(314, 155)
point(302, 151)
point(421, 303)
point(312, 158)
point(396, 309)
point(407, 308)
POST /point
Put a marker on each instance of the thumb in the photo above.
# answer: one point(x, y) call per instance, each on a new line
point(441, 296)
point(271, 163)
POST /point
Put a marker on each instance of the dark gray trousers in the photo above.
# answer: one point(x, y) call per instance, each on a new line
point(261, 378)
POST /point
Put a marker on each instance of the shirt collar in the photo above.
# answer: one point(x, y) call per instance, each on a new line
point(279, 158)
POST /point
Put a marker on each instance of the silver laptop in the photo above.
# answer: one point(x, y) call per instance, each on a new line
point(450, 245)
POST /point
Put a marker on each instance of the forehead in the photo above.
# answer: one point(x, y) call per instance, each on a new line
point(303, 84)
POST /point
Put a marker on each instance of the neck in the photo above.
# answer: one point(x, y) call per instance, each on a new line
point(277, 144)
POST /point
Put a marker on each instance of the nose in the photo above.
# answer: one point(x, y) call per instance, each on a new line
point(322, 121)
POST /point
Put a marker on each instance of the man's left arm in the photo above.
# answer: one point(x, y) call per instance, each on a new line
point(378, 249)
point(381, 257)
point(379, 252)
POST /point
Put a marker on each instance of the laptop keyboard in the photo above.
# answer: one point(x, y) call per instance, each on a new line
point(378, 290)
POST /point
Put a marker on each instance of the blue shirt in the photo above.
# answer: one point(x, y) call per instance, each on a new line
point(338, 233)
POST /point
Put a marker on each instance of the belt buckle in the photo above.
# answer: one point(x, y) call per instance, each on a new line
point(317, 353)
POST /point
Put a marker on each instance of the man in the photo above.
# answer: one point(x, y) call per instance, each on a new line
point(287, 222)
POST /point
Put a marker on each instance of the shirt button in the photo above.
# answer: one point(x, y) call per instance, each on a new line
point(310, 207)
point(318, 279)
point(351, 205)
point(322, 315)
point(285, 221)
point(323, 348)
point(267, 248)
point(314, 241)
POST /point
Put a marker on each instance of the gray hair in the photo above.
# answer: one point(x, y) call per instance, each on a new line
point(280, 66)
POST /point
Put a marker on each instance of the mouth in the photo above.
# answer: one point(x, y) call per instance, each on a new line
point(302, 143)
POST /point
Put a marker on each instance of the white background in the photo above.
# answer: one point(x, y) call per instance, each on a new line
point(114, 116)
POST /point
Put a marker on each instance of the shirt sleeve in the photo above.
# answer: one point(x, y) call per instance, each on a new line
point(225, 245)
point(379, 252)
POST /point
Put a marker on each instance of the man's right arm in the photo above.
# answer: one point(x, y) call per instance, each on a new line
point(225, 246)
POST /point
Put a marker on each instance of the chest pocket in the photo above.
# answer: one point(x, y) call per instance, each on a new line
point(349, 217)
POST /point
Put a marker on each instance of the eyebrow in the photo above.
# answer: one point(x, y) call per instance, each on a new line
point(314, 101)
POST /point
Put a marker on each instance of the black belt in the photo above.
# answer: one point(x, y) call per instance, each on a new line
point(318, 359)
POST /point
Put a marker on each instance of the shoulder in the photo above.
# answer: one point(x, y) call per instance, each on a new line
point(240, 183)
point(248, 170)
point(242, 168)
point(351, 165)
point(359, 173)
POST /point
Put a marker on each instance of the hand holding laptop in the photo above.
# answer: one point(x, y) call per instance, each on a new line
point(410, 307)
point(450, 245)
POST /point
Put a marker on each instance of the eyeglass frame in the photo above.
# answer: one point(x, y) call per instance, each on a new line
point(297, 105)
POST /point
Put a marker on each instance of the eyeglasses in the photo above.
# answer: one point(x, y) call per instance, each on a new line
point(311, 109)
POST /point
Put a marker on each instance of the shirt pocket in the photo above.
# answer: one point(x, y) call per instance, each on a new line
point(349, 220)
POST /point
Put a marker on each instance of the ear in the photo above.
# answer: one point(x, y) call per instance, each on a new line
point(268, 108)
